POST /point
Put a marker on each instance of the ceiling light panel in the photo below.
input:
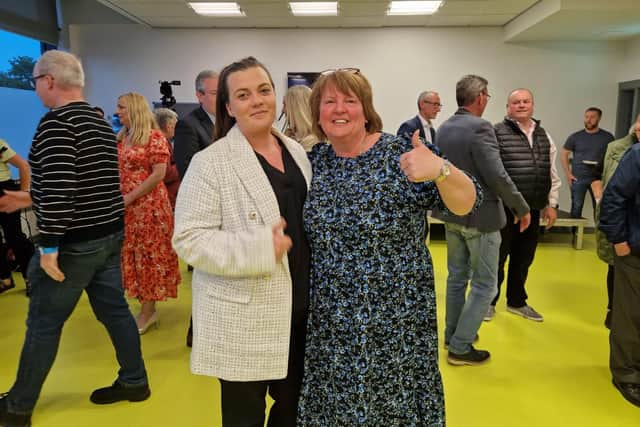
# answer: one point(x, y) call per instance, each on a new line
point(413, 7)
point(316, 8)
point(225, 9)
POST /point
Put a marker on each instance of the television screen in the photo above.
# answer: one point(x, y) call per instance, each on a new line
point(301, 78)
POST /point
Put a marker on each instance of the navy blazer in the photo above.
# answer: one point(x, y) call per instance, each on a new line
point(193, 134)
point(470, 143)
point(620, 208)
point(410, 126)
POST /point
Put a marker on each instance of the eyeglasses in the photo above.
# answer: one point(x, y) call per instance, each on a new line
point(436, 104)
point(33, 80)
point(335, 70)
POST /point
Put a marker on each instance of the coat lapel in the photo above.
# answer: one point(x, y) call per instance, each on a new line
point(250, 172)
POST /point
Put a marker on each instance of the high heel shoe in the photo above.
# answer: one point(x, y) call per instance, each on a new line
point(6, 286)
point(152, 321)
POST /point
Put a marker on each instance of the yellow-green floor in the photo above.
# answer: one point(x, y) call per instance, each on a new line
point(553, 373)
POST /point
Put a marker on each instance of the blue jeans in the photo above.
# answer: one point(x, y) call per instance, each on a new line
point(94, 267)
point(471, 256)
point(578, 191)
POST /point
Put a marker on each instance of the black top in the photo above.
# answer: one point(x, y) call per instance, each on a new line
point(290, 189)
point(75, 182)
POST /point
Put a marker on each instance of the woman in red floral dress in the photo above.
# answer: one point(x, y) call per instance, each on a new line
point(149, 263)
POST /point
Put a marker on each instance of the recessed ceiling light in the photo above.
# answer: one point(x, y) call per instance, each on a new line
point(316, 8)
point(226, 9)
point(413, 7)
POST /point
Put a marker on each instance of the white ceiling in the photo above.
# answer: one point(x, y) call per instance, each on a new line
point(522, 20)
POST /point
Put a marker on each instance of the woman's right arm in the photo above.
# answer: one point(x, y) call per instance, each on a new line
point(24, 170)
point(198, 237)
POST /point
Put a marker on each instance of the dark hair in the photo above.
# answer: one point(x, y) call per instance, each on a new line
point(469, 88)
point(596, 109)
point(345, 81)
point(224, 122)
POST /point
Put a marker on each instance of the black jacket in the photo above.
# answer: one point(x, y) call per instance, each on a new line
point(193, 133)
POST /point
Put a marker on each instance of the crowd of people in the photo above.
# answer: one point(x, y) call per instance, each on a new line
point(311, 280)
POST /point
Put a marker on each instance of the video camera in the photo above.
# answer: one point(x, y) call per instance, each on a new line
point(168, 99)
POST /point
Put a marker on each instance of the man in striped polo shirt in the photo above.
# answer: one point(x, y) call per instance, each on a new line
point(79, 209)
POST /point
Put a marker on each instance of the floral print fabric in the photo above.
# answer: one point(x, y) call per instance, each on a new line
point(149, 263)
point(371, 356)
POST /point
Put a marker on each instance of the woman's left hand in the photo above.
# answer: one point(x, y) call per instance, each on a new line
point(420, 164)
point(128, 199)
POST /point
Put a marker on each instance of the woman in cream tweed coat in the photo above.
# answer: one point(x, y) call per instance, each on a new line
point(249, 298)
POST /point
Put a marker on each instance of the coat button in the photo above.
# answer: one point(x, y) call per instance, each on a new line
point(253, 216)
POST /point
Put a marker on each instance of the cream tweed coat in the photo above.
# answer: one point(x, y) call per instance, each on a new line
point(241, 298)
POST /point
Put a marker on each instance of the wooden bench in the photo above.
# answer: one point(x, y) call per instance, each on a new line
point(563, 220)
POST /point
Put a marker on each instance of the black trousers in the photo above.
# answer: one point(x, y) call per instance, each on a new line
point(14, 238)
point(610, 279)
point(520, 248)
point(243, 403)
point(624, 338)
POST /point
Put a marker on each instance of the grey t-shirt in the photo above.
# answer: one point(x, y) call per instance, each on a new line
point(588, 151)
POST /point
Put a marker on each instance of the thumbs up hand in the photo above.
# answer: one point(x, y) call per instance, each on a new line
point(420, 164)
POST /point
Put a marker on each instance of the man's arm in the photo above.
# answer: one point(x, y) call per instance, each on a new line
point(566, 166)
point(486, 155)
point(550, 213)
point(56, 155)
point(185, 145)
point(614, 221)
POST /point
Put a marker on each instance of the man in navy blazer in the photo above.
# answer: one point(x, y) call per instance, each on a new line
point(473, 241)
point(428, 108)
point(195, 131)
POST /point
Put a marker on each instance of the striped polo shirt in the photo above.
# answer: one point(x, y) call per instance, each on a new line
point(75, 183)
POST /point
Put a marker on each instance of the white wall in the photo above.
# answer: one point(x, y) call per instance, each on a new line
point(629, 68)
point(399, 62)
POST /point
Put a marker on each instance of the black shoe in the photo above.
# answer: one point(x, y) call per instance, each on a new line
point(190, 333)
point(629, 391)
point(607, 320)
point(475, 340)
point(471, 357)
point(8, 419)
point(118, 392)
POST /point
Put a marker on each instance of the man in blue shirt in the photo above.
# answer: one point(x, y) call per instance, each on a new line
point(588, 147)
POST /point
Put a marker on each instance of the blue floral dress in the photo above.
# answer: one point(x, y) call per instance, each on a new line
point(372, 344)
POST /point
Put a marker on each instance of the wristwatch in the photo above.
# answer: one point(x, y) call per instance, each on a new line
point(445, 171)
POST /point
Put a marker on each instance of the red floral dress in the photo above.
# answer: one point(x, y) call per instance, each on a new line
point(149, 263)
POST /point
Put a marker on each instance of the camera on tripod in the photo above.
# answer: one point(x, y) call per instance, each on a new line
point(168, 100)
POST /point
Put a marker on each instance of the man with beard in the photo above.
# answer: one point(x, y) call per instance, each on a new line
point(588, 147)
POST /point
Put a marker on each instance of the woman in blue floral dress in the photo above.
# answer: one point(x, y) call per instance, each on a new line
point(371, 356)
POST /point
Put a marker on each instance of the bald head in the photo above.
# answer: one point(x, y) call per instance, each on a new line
point(520, 105)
